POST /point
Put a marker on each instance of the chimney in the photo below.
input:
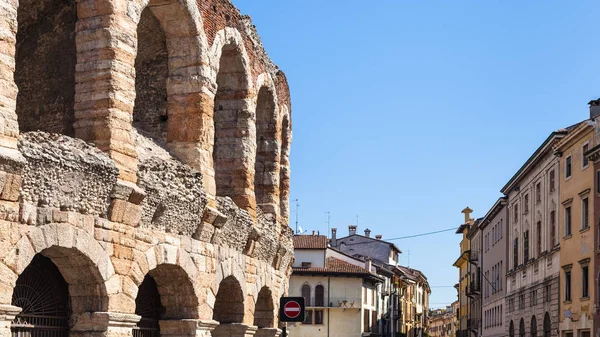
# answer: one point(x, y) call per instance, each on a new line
point(368, 264)
point(351, 230)
point(368, 233)
point(378, 236)
point(594, 107)
point(467, 212)
point(333, 237)
point(314, 233)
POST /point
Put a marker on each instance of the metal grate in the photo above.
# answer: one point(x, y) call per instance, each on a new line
point(42, 294)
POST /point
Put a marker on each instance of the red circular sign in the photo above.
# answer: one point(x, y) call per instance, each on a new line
point(291, 309)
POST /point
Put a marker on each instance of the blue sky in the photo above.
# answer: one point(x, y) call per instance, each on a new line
point(405, 112)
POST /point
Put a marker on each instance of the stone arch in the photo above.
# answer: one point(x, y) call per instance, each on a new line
point(547, 325)
point(284, 178)
point(229, 302)
point(234, 151)
point(533, 328)
point(264, 309)
point(174, 273)
point(268, 147)
point(82, 262)
point(167, 64)
point(522, 327)
point(45, 62)
point(511, 329)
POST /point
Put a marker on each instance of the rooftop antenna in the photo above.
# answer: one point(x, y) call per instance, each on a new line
point(328, 222)
point(408, 259)
point(297, 205)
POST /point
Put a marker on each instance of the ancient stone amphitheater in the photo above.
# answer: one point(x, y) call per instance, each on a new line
point(144, 170)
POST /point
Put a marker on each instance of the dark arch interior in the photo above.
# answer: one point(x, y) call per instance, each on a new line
point(148, 306)
point(547, 325)
point(229, 121)
point(266, 165)
point(43, 295)
point(522, 328)
point(511, 329)
point(533, 326)
point(229, 303)
point(46, 57)
point(263, 311)
point(152, 72)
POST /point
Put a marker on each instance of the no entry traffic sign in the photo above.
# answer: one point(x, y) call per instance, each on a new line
point(291, 309)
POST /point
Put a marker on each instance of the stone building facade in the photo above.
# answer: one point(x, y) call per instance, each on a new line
point(494, 261)
point(532, 279)
point(144, 170)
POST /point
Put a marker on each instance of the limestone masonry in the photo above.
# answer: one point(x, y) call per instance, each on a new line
point(144, 170)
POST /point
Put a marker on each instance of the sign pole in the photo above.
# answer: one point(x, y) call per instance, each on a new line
point(284, 330)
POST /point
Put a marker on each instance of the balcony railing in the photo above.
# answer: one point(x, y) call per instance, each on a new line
point(345, 302)
point(473, 256)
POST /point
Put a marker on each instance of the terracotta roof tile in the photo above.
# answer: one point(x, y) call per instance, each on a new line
point(333, 265)
point(310, 241)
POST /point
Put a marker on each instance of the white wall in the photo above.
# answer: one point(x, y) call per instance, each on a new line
point(314, 256)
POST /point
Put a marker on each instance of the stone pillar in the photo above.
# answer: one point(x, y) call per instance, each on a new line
point(234, 330)
point(104, 324)
point(187, 328)
point(105, 81)
point(7, 315)
point(268, 332)
point(9, 127)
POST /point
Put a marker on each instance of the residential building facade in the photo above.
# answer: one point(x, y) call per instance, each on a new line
point(415, 302)
point(494, 260)
point(442, 322)
point(577, 233)
point(532, 284)
point(340, 292)
point(474, 270)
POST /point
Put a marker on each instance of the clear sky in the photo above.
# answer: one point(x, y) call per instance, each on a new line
point(404, 112)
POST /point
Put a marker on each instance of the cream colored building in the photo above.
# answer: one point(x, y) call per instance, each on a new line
point(340, 292)
point(577, 258)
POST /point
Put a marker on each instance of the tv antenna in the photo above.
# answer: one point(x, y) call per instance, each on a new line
point(328, 221)
point(297, 205)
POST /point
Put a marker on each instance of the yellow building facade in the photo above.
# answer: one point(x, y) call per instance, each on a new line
point(462, 263)
point(577, 258)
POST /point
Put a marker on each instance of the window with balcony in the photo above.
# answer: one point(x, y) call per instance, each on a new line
point(319, 296)
point(306, 294)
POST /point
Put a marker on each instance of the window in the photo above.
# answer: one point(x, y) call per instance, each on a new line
point(598, 181)
point(568, 167)
point(538, 230)
point(366, 316)
point(584, 282)
point(319, 296)
point(308, 317)
point(365, 295)
point(501, 275)
point(521, 301)
point(533, 295)
point(585, 214)
point(538, 192)
point(567, 285)
point(584, 159)
point(526, 201)
point(516, 253)
point(516, 213)
point(306, 294)
point(526, 247)
point(548, 293)
point(584, 334)
point(318, 316)
point(551, 182)
point(567, 220)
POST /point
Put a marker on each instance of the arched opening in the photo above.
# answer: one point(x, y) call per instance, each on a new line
point(511, 329)
point(533, 329)
point(42, 294)
point(45, 62)
point(522, 328)
point(57, 284)
point(232, 156)
point(306, 294)
point(152, 72)
point(149, 308)
point(229, 303)
point(547, 325)
point(264, 309)
point(266, 167)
